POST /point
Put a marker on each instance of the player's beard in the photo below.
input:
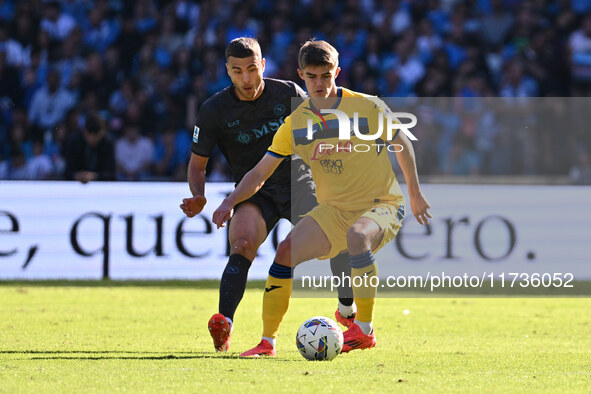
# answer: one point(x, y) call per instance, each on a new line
point(248, 94)
point(254, 91)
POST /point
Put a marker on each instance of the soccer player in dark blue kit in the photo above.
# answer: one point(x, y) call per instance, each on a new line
point(242, 120)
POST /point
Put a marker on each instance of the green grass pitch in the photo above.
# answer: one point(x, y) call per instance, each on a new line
point(136, 337)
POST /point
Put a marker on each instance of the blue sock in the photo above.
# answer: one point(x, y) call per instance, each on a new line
point(280, 271)
point(233, 284)
point(362, 260)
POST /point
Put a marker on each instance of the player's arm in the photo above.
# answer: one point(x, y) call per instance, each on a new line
point(248, 186)
point(205, 135)
point(196, 178)
point(406, 159)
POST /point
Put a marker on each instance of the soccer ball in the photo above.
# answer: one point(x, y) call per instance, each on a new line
point(319, 338)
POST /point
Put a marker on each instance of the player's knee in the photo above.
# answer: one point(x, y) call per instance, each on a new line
point(243, 246)
point(283, 255)
point(357, 240)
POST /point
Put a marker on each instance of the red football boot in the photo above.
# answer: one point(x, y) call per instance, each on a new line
point(345, 321)
point(354, 338)
point(220, 331)
point(263, 349)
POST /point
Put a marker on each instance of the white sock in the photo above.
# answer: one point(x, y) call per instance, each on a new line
point(230, 322)
point(347, 311)
point(272, 341)
point(366, 327)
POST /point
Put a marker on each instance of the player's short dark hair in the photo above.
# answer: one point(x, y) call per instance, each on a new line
point(242, 47)
point(317, 53)
point(93, 123)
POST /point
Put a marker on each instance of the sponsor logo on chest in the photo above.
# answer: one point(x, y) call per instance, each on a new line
point(248, 136)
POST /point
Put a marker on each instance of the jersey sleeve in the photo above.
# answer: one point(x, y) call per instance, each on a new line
point(204, 132)
point(281, 146)
point(384, 110)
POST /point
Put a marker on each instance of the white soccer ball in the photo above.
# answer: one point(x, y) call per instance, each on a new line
point(319, 338)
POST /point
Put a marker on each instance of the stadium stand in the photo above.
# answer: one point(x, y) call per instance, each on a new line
point(151, 64)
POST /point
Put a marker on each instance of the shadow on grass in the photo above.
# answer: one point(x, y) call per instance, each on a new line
point(116, 355)
point(84, 352)
point(138, 357)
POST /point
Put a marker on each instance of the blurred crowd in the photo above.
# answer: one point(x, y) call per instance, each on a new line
point(79, 78)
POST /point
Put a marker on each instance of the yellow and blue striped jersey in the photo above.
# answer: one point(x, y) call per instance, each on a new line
point(352, 173)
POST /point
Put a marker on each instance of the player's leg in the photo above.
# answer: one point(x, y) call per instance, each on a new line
point(363, 237)
point(305, 242)
point(303, 200)
point(340, 266)
point(371, 231)
point(247, 232)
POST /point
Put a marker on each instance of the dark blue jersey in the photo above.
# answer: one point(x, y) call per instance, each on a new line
point(243, 130)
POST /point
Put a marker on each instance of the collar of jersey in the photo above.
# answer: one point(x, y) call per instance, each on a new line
point(336, 104)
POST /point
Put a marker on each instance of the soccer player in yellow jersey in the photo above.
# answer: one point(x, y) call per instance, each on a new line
point(360, 205)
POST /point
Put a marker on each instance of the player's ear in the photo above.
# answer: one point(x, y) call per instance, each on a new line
point(263, 62)
point(336, 72)
point(301, 74)
point(228, 69)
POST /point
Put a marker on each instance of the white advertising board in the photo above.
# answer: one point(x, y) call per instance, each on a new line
point(66, 230)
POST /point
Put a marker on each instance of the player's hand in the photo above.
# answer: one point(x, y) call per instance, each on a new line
point(194, 205)
point(420, 208)
point(223, 214)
